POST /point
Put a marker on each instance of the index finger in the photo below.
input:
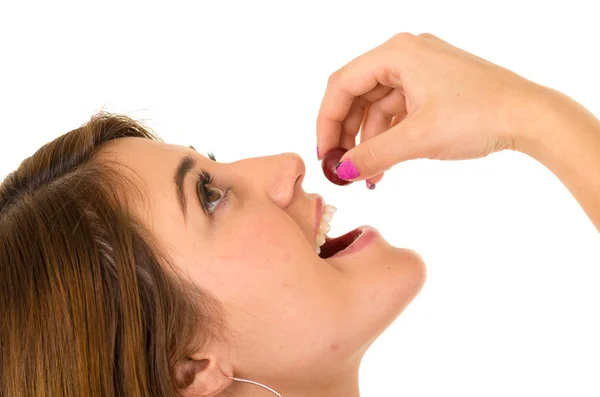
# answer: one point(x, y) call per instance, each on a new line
point(356, 78)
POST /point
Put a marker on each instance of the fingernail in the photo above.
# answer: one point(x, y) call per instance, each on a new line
point(318, 157)
point(346, 170)
point(370, 185)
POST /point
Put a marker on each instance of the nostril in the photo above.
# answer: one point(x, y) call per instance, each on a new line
point(298, 181)
point(296, 167)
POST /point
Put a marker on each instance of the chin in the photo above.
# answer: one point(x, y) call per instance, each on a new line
point(401, 279)
point(410, 273)
point(382, 292)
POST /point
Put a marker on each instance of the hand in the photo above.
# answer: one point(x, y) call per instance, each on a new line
point(419, 97)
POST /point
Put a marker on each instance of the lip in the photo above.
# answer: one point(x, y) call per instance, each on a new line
point(368, 234)
point(320, 205)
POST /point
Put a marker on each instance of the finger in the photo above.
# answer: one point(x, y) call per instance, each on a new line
point(379, 118)
point(351, 125)
point(371, 182)
point(397, 119)
point(347, 141)
point(407, 140)
point(381, 113)
point(359, 110)
point(377, 93)
point(353, 80)
point(429, 36)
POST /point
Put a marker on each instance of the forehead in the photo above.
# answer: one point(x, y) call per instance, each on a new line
point(149, 162)
point(150, 166)
point(143, 154)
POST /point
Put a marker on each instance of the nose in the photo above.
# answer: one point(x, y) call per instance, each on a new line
point(280, 176)
point(286, 173)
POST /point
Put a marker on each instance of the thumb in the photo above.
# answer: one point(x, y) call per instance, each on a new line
point(405, 141)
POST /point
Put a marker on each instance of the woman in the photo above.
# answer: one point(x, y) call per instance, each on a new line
point(131, 267)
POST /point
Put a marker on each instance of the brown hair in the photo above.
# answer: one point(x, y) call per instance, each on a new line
point(87, 307)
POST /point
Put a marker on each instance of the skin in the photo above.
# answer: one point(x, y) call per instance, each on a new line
point(298, 323)
point(420, 97)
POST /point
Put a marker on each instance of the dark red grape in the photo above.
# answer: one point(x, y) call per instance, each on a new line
point(328, 164)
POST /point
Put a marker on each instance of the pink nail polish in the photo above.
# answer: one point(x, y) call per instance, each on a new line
point(346, 170)
point(370, 185)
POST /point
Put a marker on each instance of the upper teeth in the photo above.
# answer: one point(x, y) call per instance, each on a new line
point(324, 227)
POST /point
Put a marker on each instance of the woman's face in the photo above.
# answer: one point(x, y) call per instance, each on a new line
point(292, 314)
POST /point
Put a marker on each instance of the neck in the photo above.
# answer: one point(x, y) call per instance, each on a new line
point(342, 385)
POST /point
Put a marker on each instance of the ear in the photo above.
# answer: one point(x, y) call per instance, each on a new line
point(205, 375)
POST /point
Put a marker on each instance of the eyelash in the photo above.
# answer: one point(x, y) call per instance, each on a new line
point(204, 179)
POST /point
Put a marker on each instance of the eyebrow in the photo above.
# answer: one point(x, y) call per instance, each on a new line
point(185, 165)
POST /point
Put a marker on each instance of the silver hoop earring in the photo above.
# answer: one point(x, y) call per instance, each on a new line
point(257, 384)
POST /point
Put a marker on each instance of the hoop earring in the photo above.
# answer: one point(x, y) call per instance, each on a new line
point(256, 384)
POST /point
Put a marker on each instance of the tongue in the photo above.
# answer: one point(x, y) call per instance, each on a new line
point(334, 245)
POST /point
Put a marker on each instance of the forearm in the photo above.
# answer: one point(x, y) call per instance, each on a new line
point(565, 137)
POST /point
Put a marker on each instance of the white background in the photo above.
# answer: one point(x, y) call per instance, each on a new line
point(512, 301)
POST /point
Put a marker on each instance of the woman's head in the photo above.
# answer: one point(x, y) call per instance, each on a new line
point(131, 265)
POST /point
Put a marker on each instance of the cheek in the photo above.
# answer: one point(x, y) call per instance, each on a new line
point(257, 244)
point(264, 274)
point(249, 259)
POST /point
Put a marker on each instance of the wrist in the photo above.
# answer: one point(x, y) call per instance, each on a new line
point(534, 120)
point(547, 123)
point(565, 137)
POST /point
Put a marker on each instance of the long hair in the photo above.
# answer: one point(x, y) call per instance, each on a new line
point(87, 307)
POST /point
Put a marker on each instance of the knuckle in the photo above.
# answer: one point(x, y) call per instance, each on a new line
point(333, 77)
point(416, 139)
point(427, 36)
point(414, 134)
point(372, 159)
point(363, 103)
point(403, 37)
point(403, 41)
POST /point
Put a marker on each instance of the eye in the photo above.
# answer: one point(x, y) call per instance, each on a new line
point(213, 196)
point(210, 196)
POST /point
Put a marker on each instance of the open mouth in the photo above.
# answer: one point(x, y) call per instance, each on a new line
point(327, 247)
point(334, 245)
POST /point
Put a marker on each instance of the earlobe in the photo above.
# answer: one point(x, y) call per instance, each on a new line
point(203, 377)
